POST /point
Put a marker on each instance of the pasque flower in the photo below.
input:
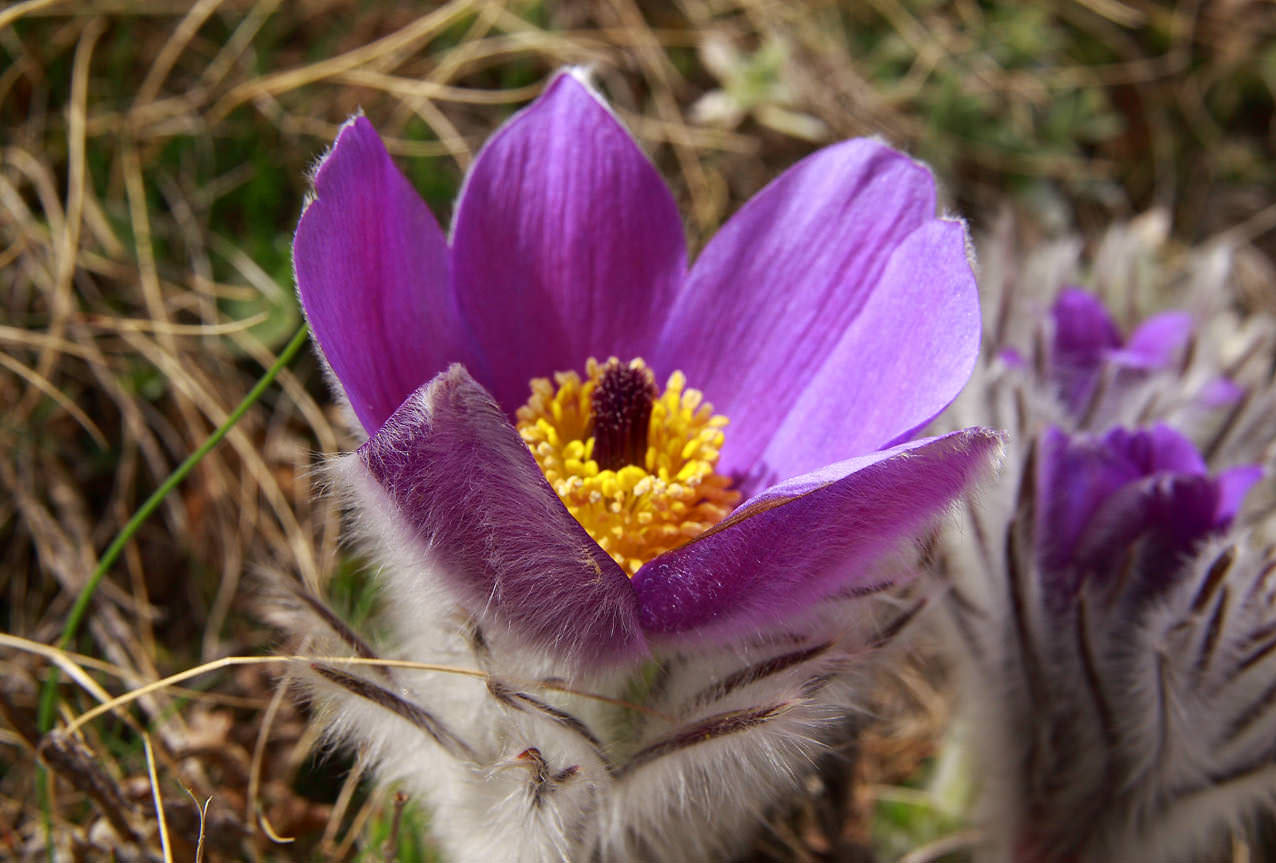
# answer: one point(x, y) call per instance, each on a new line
point(669, 611)
point(1086, 341)
point(1113, 596)
point(829, 320)
point(1092, 370)
point(1116, 632)
point(1128, 502)
point(1127, 678)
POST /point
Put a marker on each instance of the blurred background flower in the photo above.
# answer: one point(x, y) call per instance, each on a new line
point(1111, 603)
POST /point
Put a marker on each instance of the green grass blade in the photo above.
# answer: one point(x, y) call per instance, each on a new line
point(48, 696)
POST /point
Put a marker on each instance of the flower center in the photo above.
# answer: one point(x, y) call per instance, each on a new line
point(621, 407)
point(634, 466)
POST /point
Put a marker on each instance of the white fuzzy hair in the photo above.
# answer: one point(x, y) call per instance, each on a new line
point(1123, 730)
point(1129, 727)
point(513, 768)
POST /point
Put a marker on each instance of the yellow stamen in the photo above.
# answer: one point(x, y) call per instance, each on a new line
point(636, 511)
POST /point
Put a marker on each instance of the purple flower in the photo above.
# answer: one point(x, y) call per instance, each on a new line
point(1114, 615)
point(1122, 646)
point(1086, 340)
point(830, 319)
point(1128, 501)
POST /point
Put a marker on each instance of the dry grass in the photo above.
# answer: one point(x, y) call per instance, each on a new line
point(152, 165)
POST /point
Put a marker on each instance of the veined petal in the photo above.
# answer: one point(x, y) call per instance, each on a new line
point(775, 289)
point(903, 359)
point(458, 474)
point(372, 272)
point(808, 538)
point(566, 244)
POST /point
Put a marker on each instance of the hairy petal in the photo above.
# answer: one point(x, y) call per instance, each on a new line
point(372, 272)
point(567, 243)
point(905, 357)
point(1160, 519)
point(1076, 474)
point(807, 538)
point(773, 292)
point(458, 474)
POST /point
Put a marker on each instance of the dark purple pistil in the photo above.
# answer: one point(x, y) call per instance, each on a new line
point(621, 408)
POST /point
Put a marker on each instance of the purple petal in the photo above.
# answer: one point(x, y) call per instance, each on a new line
point(1220, 392)
point(807, 538)
point(904, 357)
point(1126, 508)
point(773, 292)
point(1074, 476)
point(1146, 527)
point(566, 243)
point(1233, 485)
point(1083, 334)
point(1012, 358)
point(1157, 448)
point(372, 271)
point(458, 474)
point(1156, 342)
point(1083, 329)
point(1077, 474)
